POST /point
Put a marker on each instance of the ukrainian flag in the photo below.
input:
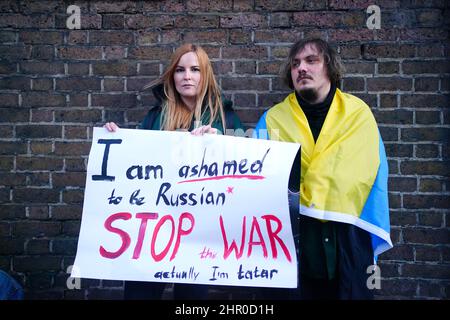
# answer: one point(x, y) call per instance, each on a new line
point(344, 173)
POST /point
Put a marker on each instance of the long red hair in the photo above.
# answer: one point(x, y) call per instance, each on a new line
point(175, 113)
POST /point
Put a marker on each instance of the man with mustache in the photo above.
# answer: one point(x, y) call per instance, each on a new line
point(341, 176)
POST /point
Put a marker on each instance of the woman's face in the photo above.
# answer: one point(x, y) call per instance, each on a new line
point(187, 77)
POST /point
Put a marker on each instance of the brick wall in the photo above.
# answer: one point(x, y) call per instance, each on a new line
point(56, 84)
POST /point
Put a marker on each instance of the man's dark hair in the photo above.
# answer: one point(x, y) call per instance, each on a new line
point(333, 63)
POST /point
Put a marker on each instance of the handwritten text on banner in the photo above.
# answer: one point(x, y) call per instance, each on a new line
point(173, 207)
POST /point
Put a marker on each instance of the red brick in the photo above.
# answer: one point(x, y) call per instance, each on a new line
point(71, 228)
point(270, 67)
point(245, 52)
point(42, 52)
point(80, 53)
point(398, 116)
point(423, 34)
point(38, 131)
point(75, 132)
point(5, 194)
point(426, 202)
point(426, 271)
point(281, 19)
point(7, 67)
point(402, 219)
point(110, 38)
point(289, 5)
point(424, 100)
point(114, 100)
point(170, 37)
point(75, 37)
point(249, 115)
point(389, 133)
point(40, 99)
point(402, 184)
point(149, 53)
point(40, 67)
point(143, 22)
point(244, 20)
point(353, 84)
point(351, 35)
point(276, 36)
point(399, 252)
point(36, 263)
point(112, 21)
point(78, 84)
point(222, 67)
point(66, 212)
point(12, 211)
point(74, 164)
point(15, 83)
point(12, 179)
point(427, 151)
point(426, 84)
point(115, 7)
point(431, 219)
point(72, 148)
point(206, 6)
point(245, 100)
point(389, 84)
point(8, 100)
point(245, 83)
point(78, 68)
point(202, 37)
point(46, 37)
point(431, 289)
point(43, 84)
point(6, 163)
point(388, 51)
point(38, 246)
point(319, 19)
point(430, 185)
point(73, 196)
point(424, 134)
point(240, 37)
point(398, 288)
point(41, 179)
point(78, 116)
point(11, 245)
point(41, 148)
point(11, 148)
point(69, 179)
point(245, 67)
point(28, 195)
point(37, 212)
point(64, 246)
point(425, 67)
point(41, 7)
point(267, 100)
point(136, 115)
point(6, 132)
point(114, 68)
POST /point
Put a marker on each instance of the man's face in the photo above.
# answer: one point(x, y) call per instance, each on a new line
point(309, 74)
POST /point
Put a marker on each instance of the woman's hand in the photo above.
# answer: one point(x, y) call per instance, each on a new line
point(204, 129)
point(111, 126)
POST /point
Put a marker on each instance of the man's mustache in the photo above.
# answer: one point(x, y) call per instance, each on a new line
point(303, 76)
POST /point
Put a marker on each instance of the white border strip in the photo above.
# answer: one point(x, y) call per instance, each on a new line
point(347, 218)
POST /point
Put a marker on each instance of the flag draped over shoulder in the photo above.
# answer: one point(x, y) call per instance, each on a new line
point(344, 173)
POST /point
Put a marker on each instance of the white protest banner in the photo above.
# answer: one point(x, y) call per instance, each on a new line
point(174, 207)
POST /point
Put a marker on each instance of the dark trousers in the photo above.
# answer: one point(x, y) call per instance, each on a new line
point(139, 290)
